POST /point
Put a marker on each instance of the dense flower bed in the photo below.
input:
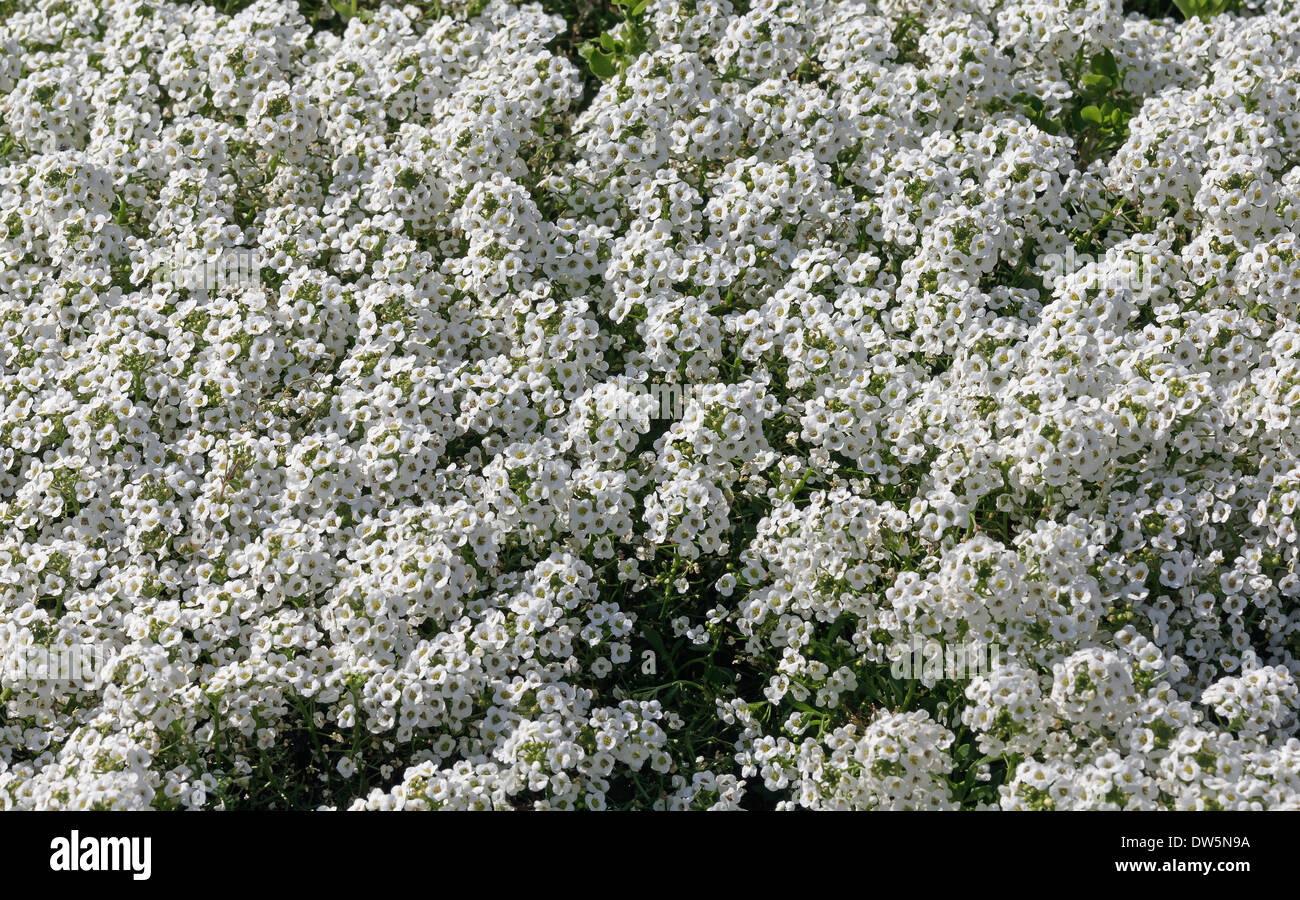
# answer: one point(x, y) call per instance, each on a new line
point(394, 415)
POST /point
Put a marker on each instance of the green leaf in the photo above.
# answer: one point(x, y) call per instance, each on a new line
point(1090, 114)
point(1035, 104)
point(1203, 9)
point(1104, 63)
point(601, 64)
point(1099, 83)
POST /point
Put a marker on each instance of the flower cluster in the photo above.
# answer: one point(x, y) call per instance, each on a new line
point(389, 516)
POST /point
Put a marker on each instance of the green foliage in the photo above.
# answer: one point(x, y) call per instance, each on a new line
point(1099, 116)
point(1205, 9)
point(1185, 9)
point(614, 49)
point(1102, 108)
point(348, 10)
